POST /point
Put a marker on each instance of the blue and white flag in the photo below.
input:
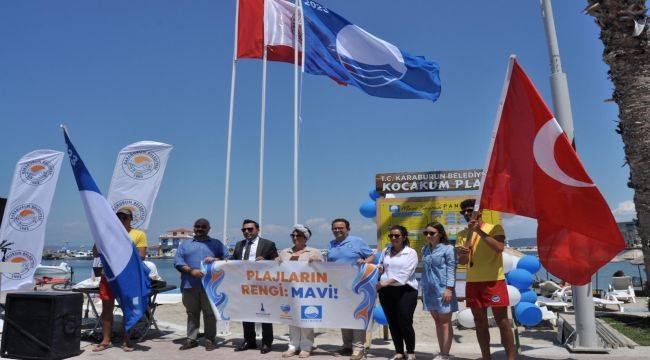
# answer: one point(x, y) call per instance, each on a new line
point(350, 55)
point(126, 275)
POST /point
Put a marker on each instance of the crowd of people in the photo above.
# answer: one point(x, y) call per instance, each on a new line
point(477, 250)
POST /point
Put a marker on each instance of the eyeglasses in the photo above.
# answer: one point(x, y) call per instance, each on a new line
point(250, 229)
point(394, 236)
point(200, 226)
point(430, 233)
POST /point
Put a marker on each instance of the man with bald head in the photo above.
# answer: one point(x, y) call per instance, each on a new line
point(188, 259)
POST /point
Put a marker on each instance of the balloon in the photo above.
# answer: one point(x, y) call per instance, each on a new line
point(374, 194)
point(514, 296)
point(528, 314)
point(389, 196)
point(379, 316)
point(529, 263)
point(466, 318)
point(368, 209)
point(520, 278)
point(528, 296)
point(509, 262)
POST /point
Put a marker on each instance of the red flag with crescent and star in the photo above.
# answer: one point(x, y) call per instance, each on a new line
point(534, 171)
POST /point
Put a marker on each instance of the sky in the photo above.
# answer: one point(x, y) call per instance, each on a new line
point(121, 71)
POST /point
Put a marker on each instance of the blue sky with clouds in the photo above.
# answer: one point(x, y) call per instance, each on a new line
point(121, 71)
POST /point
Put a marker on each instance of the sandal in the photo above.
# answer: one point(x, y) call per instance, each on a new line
point(127, 348)
point(100, 347)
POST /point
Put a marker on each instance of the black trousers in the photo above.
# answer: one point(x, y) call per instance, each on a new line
point(399, 304)
point(249, 333)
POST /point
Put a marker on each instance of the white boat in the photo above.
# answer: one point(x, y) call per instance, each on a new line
point(45, 274)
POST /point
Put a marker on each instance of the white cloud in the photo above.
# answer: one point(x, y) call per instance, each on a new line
point(625, 211)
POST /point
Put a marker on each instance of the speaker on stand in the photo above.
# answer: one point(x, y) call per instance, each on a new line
point(42, 325)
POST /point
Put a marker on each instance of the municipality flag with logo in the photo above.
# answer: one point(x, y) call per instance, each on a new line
point(127, 276)
point(350, 55)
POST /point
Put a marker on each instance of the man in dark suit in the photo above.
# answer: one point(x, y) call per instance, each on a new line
point(254, 248)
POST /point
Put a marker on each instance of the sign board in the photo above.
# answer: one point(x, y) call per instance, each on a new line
point(448, 180)
point(415, 213)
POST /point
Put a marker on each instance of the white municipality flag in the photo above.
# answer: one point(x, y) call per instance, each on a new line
point(25, 216)
point(136, 179)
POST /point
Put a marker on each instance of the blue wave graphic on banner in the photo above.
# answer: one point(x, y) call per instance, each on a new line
point(211, 281)
point(364, 283)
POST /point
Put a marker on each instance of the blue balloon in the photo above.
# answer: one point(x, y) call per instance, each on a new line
point(528, 296)
point(368, 209)
point(520, 278)
point(529, 263)
point(379, 316)
point(528, 314)
point(374, 194)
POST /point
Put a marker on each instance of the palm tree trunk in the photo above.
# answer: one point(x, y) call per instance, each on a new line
point(626, 37)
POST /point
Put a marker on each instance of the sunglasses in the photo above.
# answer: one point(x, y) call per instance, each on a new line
point(466, 211)
point(296, 236)
point(200, 227)
point(430, 233)
point(394, 236)
point(250, 229)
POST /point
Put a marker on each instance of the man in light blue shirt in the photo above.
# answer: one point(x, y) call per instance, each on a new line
point(347, 249)
point(189, 255)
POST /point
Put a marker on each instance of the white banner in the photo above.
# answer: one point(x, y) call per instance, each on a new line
point(25, 216)
point(318, 294)
point(136, 179)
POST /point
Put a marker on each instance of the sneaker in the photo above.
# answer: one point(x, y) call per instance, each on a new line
point(210, 345)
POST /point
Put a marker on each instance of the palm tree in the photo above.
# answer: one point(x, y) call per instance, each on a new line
point(625, 32)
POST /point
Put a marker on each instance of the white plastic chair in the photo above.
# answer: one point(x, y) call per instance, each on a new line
point(620, 289)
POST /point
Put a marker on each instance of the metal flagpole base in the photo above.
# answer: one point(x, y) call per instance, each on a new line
point(589, 350)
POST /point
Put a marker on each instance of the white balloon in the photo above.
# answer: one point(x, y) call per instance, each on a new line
point(514, 296)
point(390, 196)
point(509, 262)
point(466, 318)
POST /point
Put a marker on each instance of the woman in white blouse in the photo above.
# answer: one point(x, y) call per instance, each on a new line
point(398, 290)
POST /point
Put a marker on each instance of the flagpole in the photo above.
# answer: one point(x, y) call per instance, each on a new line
point(233, 79)
point(586, 339)
point(262, 130)
point(297, 12)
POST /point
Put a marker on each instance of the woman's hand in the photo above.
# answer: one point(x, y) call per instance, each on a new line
point(379, 285)
point(314, 258)
point(446, 296)
point(380, 268)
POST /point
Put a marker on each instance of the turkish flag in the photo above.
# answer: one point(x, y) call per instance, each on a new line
point(267, 23)
point(535, 172)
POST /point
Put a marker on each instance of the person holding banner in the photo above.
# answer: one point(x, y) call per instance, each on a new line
point(348, 249)
point(486, 286)
point(438, 283)
point(398, 290)
point(254, 248)
point(139, 238)
point(301, 340)
point(187, 261)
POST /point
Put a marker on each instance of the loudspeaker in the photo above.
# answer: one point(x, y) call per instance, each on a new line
point(42, 325)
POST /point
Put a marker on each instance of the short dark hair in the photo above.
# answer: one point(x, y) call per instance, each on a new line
point(467, 203)
point(441, 229)
point(618, 273)
point(249, 221)
point(404, 232)
point(347, 223)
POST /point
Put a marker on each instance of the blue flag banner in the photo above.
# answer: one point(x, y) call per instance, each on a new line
point(350, 55)
point(126, 274)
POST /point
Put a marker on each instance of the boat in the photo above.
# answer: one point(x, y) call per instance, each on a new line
point(48, 274)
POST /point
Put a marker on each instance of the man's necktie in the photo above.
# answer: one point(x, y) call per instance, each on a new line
point(247, 252)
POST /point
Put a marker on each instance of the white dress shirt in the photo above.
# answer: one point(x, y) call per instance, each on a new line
point(251, 256)
point(400, 267)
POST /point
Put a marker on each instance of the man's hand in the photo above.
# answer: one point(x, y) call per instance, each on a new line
point(361, 261)
point(196, 273)
point(209, 259)
point(446, 296)
point(259, 258)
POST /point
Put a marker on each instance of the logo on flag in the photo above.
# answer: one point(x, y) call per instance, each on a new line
point(26, 261)
point(311, 312)
point(141, 165)
point(36, 172)
point(26, 217)
point(137, 209)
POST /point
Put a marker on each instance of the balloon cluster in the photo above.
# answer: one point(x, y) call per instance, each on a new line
point(369, 208)
point(519, 276)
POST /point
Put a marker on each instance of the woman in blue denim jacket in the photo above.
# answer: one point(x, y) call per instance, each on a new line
point(437, 284)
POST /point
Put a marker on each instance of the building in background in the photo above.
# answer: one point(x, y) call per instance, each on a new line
point(169, 241)
point(628, 229)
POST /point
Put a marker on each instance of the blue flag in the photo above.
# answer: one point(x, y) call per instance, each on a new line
point(126, 274)
point(350, 55)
